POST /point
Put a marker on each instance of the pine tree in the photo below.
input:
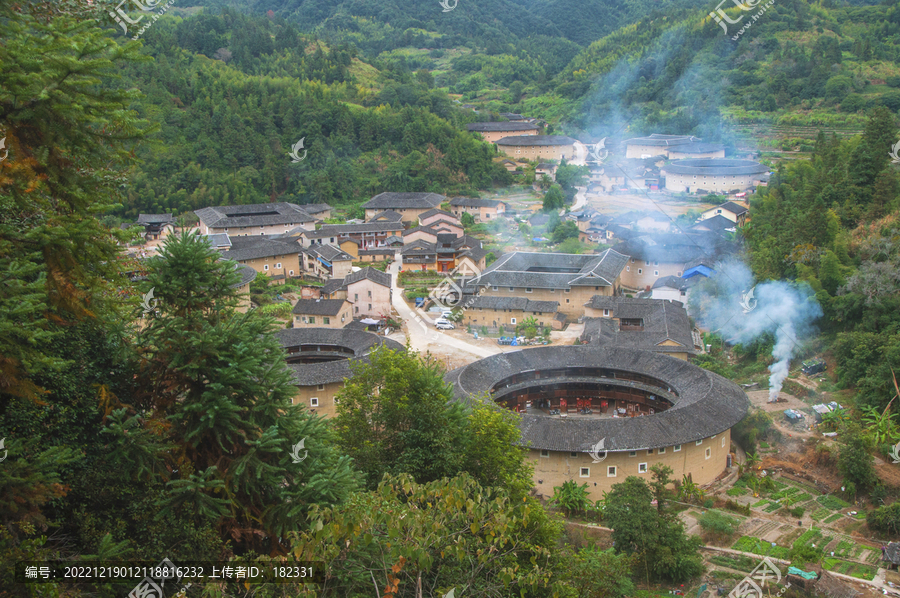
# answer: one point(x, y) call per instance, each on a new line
point(68, 132)
point(218, 379)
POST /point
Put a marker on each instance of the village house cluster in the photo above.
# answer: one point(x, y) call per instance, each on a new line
point(629, 383)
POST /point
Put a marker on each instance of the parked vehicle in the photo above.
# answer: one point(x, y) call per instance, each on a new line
point(444, 325)
point(813, 366)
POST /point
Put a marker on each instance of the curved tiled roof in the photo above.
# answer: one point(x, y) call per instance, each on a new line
point(390, 200)
point(536, 140)
point(247, 273)
point(358, 341)
point(501, 126)
point(715, 166)
point(705, 404)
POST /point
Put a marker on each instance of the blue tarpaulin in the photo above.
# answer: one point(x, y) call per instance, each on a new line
point(801, 573)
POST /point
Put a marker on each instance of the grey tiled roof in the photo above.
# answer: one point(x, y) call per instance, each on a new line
point(732, 207)
point(675, 248)
point(360, 342)
point(417, 229)
point(419, 248)
point(476, 253)
point(523, 269)
point(513, 303)
point(442, 226)
point(217, 240)
point(387, 216)
point(260, 246)
point(715, 167)
point(662, 140)
point(662, 320)
point(376, 276)
point(318, 307)
point(501, 126)
point(329, 253)
point(434, 211)
point(698, 147)
point(155, 219)
point(674, 282)
point(315, 208)
point(247, 273)
point(332, 286)
point(468, 202)
point(389, 201)
point(717, 223)
point(260, 214)
point(705, 404)
point(365, 227)
point(518, 140)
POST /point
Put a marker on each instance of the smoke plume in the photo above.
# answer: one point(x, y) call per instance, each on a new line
point(742, 312)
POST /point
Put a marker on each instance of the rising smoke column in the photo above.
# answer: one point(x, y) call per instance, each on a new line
point(784, 309)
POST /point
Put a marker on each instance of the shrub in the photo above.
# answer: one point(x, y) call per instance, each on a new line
point(737, 507)
point(718, 523)
point(885, 519)
point(756, 425)
point(798, 512)
point(276, 309)
point(804, 553)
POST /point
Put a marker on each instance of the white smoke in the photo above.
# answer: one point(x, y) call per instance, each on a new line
point(742, 312)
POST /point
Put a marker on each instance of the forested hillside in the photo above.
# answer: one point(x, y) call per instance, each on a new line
point(801, 63)
point(638, 67)
point(232, 94)
point(832, 222)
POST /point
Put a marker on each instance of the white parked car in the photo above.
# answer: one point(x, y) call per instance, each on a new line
point(444, 325)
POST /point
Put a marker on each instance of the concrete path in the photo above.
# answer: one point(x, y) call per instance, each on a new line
point(420, 330)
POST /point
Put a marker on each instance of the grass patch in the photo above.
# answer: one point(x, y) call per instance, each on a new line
point(741, 563)
point(759, 504)
point(847, 568)
point(848, 550)
point(757, 546)
point(735, 491)
point(820, 514)
point(812, 536)
point(798, 498)
point(763, 444)
point(832, 502)
point(773, 506)
point(832, 518)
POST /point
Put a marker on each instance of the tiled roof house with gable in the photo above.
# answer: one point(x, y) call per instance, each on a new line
point(509, 312)
point(655, 256)
point(569, 279)
point(481, 210)
point(327, 261)
point(253, 219)
point(327, 313)
point(494, 131)
point(648, 324)
point(367, 289)
point(273, 257)
point(410, 205)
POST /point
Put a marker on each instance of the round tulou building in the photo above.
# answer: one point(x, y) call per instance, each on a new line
point(719, 175)
point(320, 360)
point(599, 414)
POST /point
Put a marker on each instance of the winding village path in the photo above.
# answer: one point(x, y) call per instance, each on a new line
point(419, 327)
